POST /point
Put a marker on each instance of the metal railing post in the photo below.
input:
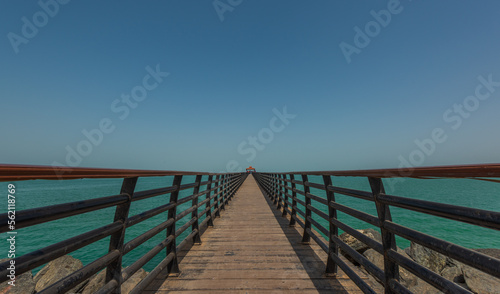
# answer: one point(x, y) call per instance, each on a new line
point(391, 269)
point(306, 238)
point(294, 202)
point(216, 199)
point(173, 266)
point(208, 207)
point(279, 191)
point(285, 197)
point(333, 248)
point(194, 214)
point(114, 270)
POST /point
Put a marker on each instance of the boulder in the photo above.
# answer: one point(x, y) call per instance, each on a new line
point(358, 245)
point(56, 270)
point(480, 282)
point(423, 288)
point(133, 281)
point(453, 273)
point(97, 281)
point(24, 283)
point(407, 279)
point(429, 258)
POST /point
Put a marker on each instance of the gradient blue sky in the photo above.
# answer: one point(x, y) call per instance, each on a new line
point(226, 77)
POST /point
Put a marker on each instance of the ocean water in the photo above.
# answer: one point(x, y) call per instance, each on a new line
point(38, 193)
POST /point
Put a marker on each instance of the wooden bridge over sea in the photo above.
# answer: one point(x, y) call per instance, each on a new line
point(252, 232)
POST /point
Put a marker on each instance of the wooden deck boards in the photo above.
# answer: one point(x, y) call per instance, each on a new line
point(251, 249)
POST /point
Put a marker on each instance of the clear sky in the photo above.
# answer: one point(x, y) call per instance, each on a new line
point(280, 85)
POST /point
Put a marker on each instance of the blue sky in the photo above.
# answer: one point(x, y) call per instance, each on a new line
point(232, 66)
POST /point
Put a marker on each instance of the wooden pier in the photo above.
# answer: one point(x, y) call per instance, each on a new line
point(251, 232)
point(252, 249)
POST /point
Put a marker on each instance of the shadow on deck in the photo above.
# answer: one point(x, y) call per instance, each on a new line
point(252, 249)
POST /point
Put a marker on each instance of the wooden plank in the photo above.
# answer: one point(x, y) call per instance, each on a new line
point(252, 249)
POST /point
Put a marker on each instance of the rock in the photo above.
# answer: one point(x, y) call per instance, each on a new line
point(407, 279)
point(24, 283)
point(133, 281)
point(358, 245)
point(97, 281)
point(424, 256)
point(453, 273)
point(56, 270)
point(423, 288)
point(480, 282)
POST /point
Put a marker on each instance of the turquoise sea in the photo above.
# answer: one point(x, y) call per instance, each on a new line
point(38, 193)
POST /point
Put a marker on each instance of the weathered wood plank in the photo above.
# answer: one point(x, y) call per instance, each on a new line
point(252, 249)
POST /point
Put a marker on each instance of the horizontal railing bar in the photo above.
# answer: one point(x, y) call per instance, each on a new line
point(356, 213)
point(187, 186)
point(318, 212)
point(317, 198)
point(318, 240)
point(140, 195)
point(470, 257)
point(298, 220)
point(35, 216)
point(318, 226)
point(351, 192)
point(185, 227)
point(205, 221)
point(315, 185)
point(186, 240)
point(133, 220)
point(297, 182)
point(425, 274)
point(373, 244)
point(300, 202)
point(479, 217)
point(129, 271)
point(299, 211)
point(153, 274)
point(363, 286)
point(368, 265)
point(82, 274)
point(398, 287)
point(108, 288)
point(36, 258)
point(134, 243)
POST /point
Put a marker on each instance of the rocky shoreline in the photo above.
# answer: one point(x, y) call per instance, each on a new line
point(60, 268)
point(463, 275)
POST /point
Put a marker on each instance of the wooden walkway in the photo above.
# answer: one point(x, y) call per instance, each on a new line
point(251, 249)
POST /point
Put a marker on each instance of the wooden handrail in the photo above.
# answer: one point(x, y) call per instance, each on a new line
point(451, 171)
point(13, 172)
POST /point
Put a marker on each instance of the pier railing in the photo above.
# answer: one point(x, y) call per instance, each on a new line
point(217, 192)
point(283, 191)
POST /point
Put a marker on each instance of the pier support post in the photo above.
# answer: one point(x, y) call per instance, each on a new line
point(294, 202)
point(306, 238)
point(208, 207)
point(333, 248)
point(391, 269)
point(285, 197)
point(173, 266)
point(194, 214)
point(114, 270)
